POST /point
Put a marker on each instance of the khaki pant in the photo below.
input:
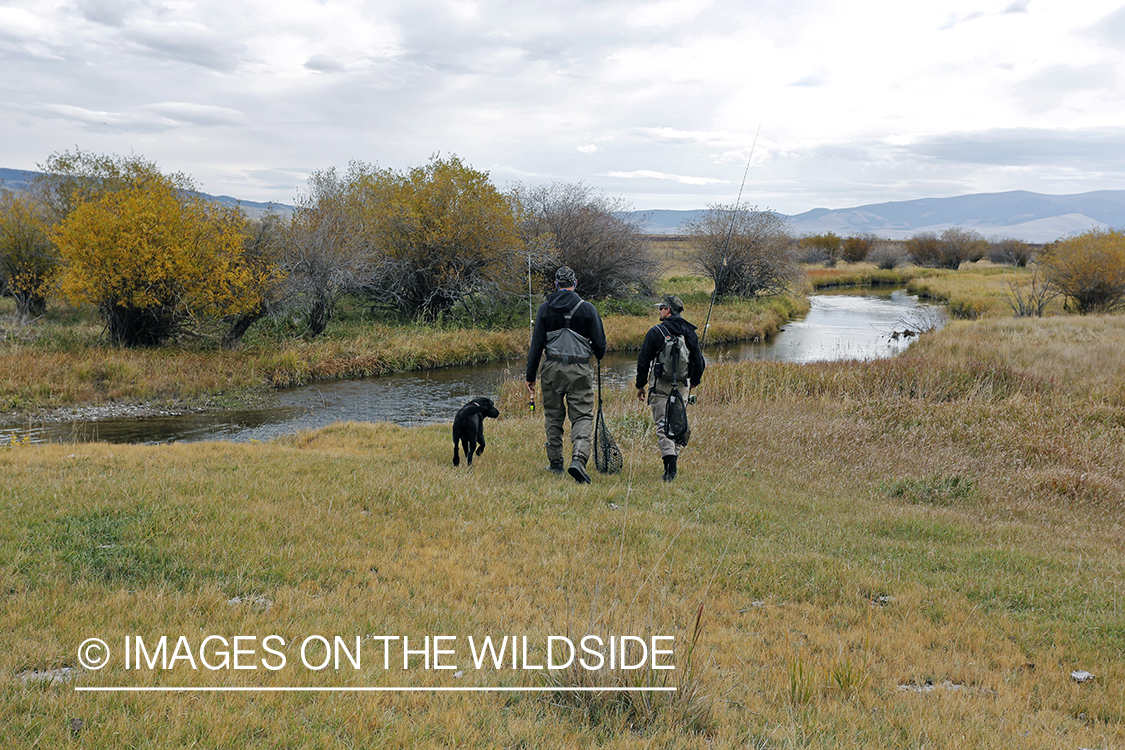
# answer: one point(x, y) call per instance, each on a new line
point(568, 388)
point(658, 393)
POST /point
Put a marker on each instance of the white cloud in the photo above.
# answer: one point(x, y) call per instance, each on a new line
point(17, 23)
point(198, 114)
point(648, 174)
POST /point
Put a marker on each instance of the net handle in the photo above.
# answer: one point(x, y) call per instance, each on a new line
point(599, 385)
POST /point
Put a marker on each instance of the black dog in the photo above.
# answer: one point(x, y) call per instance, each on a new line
point(468, 428)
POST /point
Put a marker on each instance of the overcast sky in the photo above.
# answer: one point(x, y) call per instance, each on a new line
point(843, 102)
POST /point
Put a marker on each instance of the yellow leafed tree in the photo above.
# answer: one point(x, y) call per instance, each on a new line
point(27, 256)
point(152, 258)
point(446, 235)
point(1089, 269)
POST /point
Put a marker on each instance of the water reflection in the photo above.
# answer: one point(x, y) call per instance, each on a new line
point(841, 325)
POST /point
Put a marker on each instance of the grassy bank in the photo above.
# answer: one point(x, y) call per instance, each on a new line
point(59, 361)
point(976, 290)
point(906, 553)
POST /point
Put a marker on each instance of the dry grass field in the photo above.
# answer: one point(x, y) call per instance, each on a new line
point(908, 553)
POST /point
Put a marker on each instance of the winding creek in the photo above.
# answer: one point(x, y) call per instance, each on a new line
point(839, 325)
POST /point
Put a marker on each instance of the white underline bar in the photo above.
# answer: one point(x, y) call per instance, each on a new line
point(114, 689)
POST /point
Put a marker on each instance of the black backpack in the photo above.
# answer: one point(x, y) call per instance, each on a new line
point(676, 426)
point(674, 365)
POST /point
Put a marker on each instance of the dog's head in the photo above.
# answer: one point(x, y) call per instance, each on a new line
point(487, 408)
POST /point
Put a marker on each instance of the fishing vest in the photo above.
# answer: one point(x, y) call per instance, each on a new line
point(567, 346)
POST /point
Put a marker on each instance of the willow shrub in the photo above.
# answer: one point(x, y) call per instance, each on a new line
point(151, 258)
point(1089, 269)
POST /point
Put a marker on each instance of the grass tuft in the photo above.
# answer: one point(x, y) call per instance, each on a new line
point(936, 490)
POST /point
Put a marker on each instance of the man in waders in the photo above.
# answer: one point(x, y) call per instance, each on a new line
point(662, 366)
point(568, 331)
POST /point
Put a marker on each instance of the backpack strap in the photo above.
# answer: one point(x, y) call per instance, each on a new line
point(573, 310)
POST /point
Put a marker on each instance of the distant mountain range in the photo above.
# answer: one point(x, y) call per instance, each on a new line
point(1034, 217)
point(1020, 214)
point(20, 179)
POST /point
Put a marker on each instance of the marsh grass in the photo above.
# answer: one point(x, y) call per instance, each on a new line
point(860, 274)
point(980, 290)
point(974, 291)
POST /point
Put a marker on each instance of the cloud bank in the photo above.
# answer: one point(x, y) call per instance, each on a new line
point(662, 103)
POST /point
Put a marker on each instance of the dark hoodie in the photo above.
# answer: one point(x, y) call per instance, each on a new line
point(654, 342)
point(552, 316)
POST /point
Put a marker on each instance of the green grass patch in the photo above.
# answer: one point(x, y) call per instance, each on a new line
point(935, 490)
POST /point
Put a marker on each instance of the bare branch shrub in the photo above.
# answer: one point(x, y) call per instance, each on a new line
point(586, 231)
point(329, 254)
point(887, 255)
point(820, 248)
point(757, 259)
point(950, 250)
point(1010, 252)
point(923, 249)
point(1032, 299)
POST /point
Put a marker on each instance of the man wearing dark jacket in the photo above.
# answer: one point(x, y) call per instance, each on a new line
point(568, 331)
point(670, 326)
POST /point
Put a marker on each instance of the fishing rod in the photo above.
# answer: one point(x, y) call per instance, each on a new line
point(730, 233)
point(530, 322)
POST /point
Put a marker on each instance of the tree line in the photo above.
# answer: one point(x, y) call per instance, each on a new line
point(157, 259)
point(1088, 269)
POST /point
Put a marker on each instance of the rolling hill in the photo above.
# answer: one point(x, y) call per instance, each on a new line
point(1034, 217)
point(20, 179)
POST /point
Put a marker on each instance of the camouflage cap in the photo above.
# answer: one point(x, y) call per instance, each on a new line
point(565, 276)
point(672, 303)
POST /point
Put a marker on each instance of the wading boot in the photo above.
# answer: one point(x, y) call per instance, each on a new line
point(669, 468)
point(578, 471)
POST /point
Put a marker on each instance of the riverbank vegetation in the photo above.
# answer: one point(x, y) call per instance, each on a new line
point(59, 360)
point(121, 283)
point(898, 553)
